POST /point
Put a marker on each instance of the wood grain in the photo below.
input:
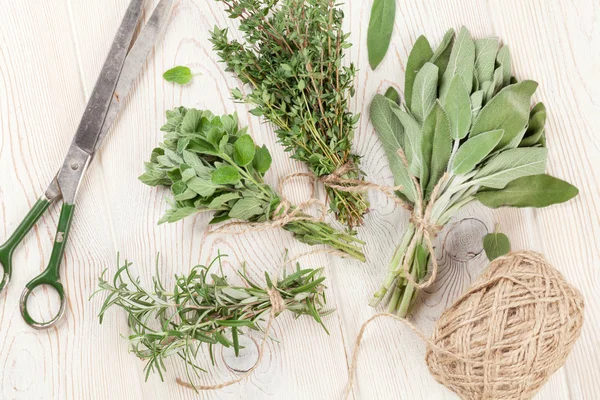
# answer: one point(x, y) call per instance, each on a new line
point(50, 56)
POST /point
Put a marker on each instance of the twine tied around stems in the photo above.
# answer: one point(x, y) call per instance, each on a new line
point(505, 336)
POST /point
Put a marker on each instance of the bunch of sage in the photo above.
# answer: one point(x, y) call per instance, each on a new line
point(211, 165)
point(291, 58)
point(465, 132)
point(204, 308)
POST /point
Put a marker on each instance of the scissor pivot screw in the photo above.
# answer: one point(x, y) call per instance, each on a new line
point(74, 166)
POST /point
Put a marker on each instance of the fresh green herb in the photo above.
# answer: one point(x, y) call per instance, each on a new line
point(203, 308)
point(381, 26)
point(496, 245)
point(291, 59)
point(213, 166)
point(180, 75)
point(468, 133)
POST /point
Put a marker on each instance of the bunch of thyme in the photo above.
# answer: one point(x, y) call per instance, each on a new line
point(203, 308)
point(292, 59)
point(211, 165)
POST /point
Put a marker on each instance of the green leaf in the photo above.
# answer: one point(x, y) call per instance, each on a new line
point(504, 60)
point(203, 187)
point(179, 214)
point(226, 175)
point(496, 245)
point(180, 75)
point(529, 191)
point(218, 201)
point(476, 104)
point(474, 150)
point(424, 92)
point(436, 147)
point(535, 127)
point(461, 63)
point(508, 110)
point(420, 54)
point(246, 208)
point(390, 132)
point(441, 57)
point(485, 58)
point(512, 164)
point(392, 94)
point(412, 141)
point(458, 107)
point(243, 150)
point(262, 160)
point(381, 26)
point(191, 121)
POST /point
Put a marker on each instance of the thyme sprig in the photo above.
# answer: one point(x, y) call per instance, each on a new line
point(203, 308)
point(291, 58)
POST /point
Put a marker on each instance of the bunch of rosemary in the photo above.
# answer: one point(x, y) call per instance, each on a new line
point(212, 165)
point(291, 58)
point(202, 309)
point(468, 133)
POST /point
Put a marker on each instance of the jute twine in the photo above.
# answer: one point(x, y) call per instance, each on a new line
point(506, 335)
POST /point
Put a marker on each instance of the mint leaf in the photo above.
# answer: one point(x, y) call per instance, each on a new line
point(262, 160)
point(180, 75)
point(243, 150)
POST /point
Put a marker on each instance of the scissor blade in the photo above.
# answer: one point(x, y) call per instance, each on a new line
point(95, 112)
point(135, 62)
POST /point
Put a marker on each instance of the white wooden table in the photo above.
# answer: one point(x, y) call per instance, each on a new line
point(50, 55)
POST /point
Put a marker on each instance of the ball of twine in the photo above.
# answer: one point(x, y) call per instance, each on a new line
point(509, 332)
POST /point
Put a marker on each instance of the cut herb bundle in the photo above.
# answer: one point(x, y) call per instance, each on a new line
point(212, 165)
point(202, 311)
point(291, 59)
point(465, 133)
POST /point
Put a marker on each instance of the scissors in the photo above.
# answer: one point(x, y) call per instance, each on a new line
point(122, 66)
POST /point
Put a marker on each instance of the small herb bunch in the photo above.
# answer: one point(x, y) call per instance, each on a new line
point(291, 58)
point(468, 133)
point(213, 166)
point(203, 308)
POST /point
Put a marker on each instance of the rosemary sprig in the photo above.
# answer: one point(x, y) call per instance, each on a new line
point(292, 60)
point(203, 308)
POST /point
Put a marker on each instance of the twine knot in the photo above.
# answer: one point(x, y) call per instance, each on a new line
point(277, 302)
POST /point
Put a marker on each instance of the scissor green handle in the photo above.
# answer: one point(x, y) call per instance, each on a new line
point(51, 275)
point(8, 248)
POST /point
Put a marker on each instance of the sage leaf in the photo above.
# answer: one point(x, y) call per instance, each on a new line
point(461, 62)
point(379, 33)
point(436, 145)
point(441, 56)
point(392, 94)
point(476, 104)
point(496, 245)
point(458, 107)
point(474, 150)
point(485, 58)
point(243, 150)
point(391, 133)
point(529, 191)
point(412, 141)
point(510, 165)
point(508, 110)
point(246, 208)
point(424, 91)
point(262, 160)
point(226, 175)
point(420, 54)
point(180, 75)
point(503, 59)
point(535, 128)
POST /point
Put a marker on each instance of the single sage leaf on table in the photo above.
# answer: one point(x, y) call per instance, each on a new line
point(496, 245)
point(420, 54)
point(381, 26)
point(180, 75)
point(529, 191)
